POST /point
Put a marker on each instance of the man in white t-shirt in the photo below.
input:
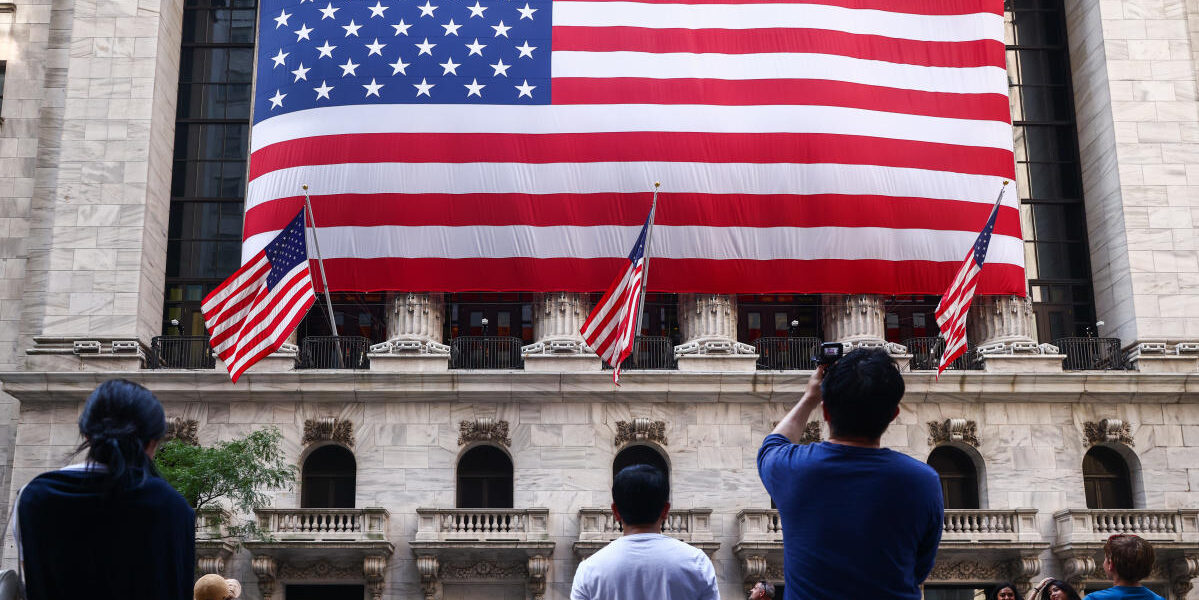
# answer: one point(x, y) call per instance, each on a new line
point(643, 563)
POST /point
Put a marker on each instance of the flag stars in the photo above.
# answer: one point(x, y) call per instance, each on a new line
point(402, 27)
point(375, 48)
point(476, 48)
point(372, 88)
point(501, 29)
point(423, 88)
point(280, 58)
point(526, 12)
point(349, 68)
point(326, 50)
point(399, 67)
point(377, 9)
point(525, 89)
point(526, 50)
point(450, 67)
point(281, 20)
point(474, 88)
point(329, 12)
point(302, 32)
point(451, 28)
point(425, 47)
point(351, 29)
point(427, 9)
point(277, 100)
point(500, 68)
point(323, 91)
point(301, 73)
point(476, 10)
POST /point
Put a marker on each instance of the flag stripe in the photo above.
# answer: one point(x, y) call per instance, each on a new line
point(974, 53)
point(914, 7)
point(261, 323)
point(583, 210)
point(583, 118)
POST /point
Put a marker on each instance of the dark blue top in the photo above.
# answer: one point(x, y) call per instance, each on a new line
point(81, 541)
point(857, 522)
point(1121, 592)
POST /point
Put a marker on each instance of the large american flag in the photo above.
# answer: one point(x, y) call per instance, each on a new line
point(806, 145)
point(253, 312)
point(955, 302)
point(612, 325)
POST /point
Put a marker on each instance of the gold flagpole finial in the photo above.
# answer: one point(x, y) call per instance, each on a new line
point(1005, 182)
point(305, 186)
point(657, 183)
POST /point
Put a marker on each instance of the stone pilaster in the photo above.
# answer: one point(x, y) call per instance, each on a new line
point(415, 322)
point(557, 320)
point(1003, 330)
point(858, 321)
point(708, 323)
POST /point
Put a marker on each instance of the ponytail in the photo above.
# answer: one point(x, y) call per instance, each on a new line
point(118, 421)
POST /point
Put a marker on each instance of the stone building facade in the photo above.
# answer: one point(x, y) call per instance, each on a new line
point(91, 148)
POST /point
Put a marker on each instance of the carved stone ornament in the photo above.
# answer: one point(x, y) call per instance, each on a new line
point(538, 568)
point(640, 429)
point(774, 572)
point(754, 568)
point(1183, 570)
point(1079, 567)
point(485, 569)
point(329, 429)
point(265, 569)
point(483, 429)
point(428, 567)
point(1107, 430)
point(374, 568)
point(184, 430)
point(968, 570)
point(953, 430)
point(321, 569)
point(811, 433)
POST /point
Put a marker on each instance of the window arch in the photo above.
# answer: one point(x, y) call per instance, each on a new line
point(485, 478)
point(329, 478)
point(959, 477)
point(1106, 478)
point(640, 455)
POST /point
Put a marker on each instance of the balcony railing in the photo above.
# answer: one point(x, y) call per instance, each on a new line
point(786, 353)
point(1093, 526)
point(760, 525)
point(926, 355)
point(691, 526)
point(482, 524)
point(1091, 354)
point(486, 352)
point(323, 524)
point(329, 352)
point(975, 525)
point(180, 352)
point(650, 353)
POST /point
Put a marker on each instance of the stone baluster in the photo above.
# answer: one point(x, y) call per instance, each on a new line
point(859, 321)
point(1003, 330)
point(708, 323)
point(557, 323)
point(415, 322)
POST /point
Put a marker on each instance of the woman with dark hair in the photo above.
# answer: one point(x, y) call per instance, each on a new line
point(1054, 589)
point(109, 528)
point(1005, 591)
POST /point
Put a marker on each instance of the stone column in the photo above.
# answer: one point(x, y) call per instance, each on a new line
point(415, 322)
point(708, 323)
point(557, 320)
point(859, 321)
point(1003, 330)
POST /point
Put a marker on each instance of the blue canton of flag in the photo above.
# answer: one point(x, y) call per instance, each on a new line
point(984, 239)
point(286, 251)
point(316, 53)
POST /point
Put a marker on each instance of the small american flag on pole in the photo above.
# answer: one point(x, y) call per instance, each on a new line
point(955, 302)
point(612, 324)
point(253, 312)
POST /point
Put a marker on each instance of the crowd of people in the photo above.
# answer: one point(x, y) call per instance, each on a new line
point(858, 520)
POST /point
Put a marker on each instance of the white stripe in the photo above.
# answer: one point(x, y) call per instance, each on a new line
point(609, 302)
point(588, 118)
point(940, 28)
point(717, 243)
point(231, 286)
point(620, 177)
point(953, 80)
point(630, 285)
point(285, 295)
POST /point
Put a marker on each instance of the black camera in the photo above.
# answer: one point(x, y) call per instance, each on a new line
point(830, 352)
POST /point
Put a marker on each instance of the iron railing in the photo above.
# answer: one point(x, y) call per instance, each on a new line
point(180, 352)
point(650, 352)
point(786, 353)
point(330, 352)
point(486, 352)
point(926, 355)
point(1091, 354)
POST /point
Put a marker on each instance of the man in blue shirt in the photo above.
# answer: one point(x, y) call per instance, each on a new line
point(859, 521)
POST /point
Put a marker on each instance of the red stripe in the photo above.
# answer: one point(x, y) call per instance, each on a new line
point(793, 92)
point(672, 275)
point(645, 146)
point(912, 7)
point(975, 53)
point(273, 314)
point(273, 346)
point(715, 210)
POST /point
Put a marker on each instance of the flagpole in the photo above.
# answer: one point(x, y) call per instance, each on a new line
point(320, 261)
point(649, 234)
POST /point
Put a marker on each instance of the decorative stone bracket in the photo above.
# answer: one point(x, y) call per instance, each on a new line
point(433, 573)
point(184, 430)
point(640, 429)
point(483, 429)
point(269, 571)
point(714, 345)
point(410, 346)
point(953, 430)
point(328, 429)
point(265, 569)
point(1182, 570)
point(1107, 430)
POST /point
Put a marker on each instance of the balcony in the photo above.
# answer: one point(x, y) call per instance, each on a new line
point(322, 532)
point(486, 352)
point(180, 352)
point(598, 527)
point(786, 353)
point(926, 355)
point(650, 353)
point(1173, 533)
point(214, 546)
point(1091, 354)
point(1007, 529)
point(482, 545)
point(333, 352)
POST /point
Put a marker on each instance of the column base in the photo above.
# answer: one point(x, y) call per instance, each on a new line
point(1022, 363)
point(562, 363)
point(281, 361)
point(66, 354)
point(409, 363)
point(735, 363)
point(1161, 357)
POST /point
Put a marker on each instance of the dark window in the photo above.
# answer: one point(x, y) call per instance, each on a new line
point(640, 455)
point(1049, 171)
point(3, 72)
point(911, 317)
point(329, 476)
point(771, 315)
point(363, 315)
point(507, 315)
point(324, 592)
point(1105, 476)
point(212, 126)
point(956, 592)
point(661, 315)
point(485, 478)
point(959, 478)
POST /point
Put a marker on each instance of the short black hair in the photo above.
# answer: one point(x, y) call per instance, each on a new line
point(861, 392)
point(640, 492)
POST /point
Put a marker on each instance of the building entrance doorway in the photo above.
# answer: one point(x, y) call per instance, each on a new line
point(325, 592)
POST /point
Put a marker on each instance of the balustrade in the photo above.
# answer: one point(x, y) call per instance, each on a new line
point(470, 524)
point(693, 526)
point(1088, 526)
point(315, 524)
point(975, 525)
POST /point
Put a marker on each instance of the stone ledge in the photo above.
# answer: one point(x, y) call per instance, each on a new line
point(409, 363)
point(717, 363)
point(1166, 363)
point(1023, 363)
point(562, 363)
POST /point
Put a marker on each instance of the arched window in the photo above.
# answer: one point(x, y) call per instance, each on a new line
point(959, 478)
point(1106, 479)
point(640, 455)
point(328, 480)
point(485, 478)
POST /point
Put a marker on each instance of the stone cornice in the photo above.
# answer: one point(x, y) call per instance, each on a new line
point(660, 386)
